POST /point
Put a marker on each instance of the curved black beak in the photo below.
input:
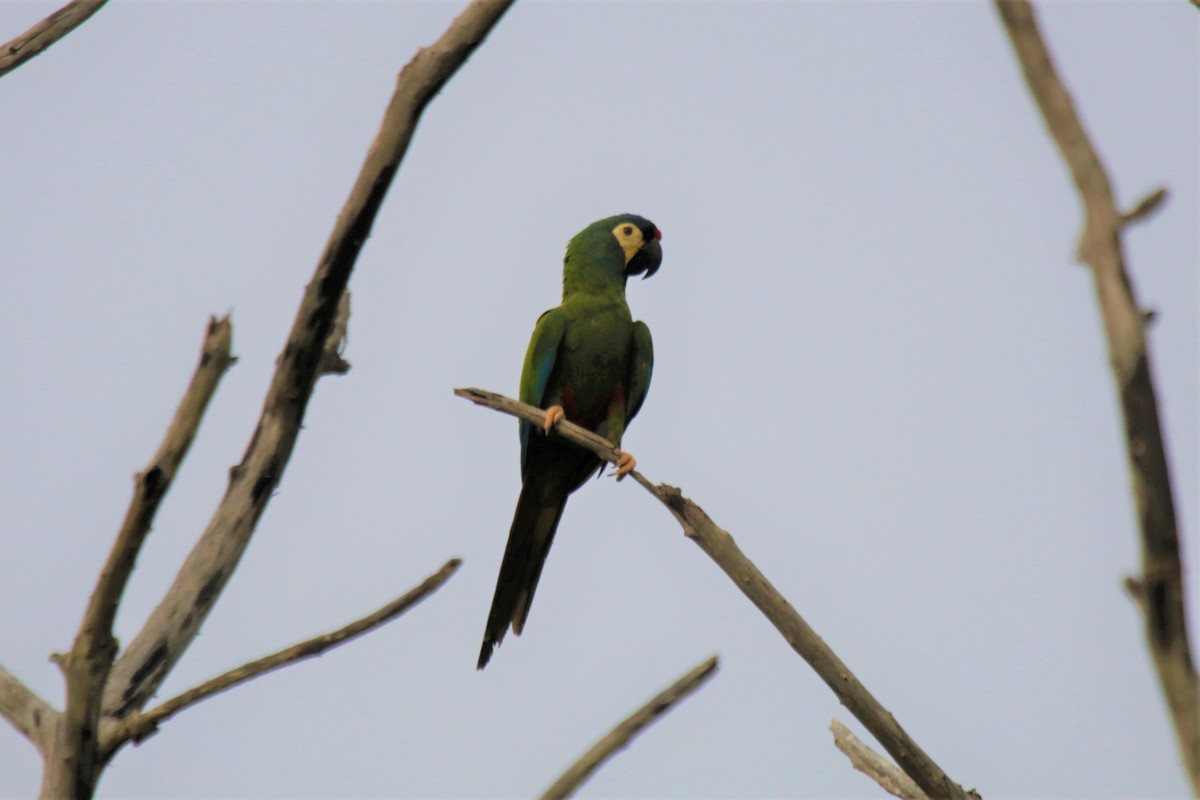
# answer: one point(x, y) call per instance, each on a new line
point(646, 260)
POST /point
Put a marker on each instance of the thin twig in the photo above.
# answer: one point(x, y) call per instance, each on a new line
point(138, 726)
point(720, 547)
point(1124, 324)
point(20, 49)
point(1146, 207)
point(175, 622)
point(889, 777)
point(32, 716)
point(620, 736)
point(86, 667)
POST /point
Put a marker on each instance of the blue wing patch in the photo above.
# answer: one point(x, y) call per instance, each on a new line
point(539, 365)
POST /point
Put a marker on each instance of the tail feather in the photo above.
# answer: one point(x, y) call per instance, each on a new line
point(529, 542)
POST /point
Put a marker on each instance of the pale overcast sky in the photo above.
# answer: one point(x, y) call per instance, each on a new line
point(877, 366)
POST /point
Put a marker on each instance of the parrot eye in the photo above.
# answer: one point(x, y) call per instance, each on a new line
point(629, 237)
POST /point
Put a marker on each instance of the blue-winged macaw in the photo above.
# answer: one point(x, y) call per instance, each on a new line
point(587, 362)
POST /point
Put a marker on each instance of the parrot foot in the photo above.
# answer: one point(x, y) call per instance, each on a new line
point(553, 415)
point(625, 465)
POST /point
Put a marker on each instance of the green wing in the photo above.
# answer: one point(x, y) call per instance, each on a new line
point(539, 364)
point(641, 365)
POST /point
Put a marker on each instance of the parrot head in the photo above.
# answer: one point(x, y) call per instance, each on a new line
point(640, 241)
point(625, 244)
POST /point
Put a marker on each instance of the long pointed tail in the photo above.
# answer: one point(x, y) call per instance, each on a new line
point(529, 541)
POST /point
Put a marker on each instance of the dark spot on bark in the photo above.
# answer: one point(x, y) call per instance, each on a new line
point(263, 484)
point(208, 592)
point(156, 659)
point(154, 481)
point(1156, 599)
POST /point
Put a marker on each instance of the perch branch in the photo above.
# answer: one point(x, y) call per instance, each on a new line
point(139, 726)
point(1124, 324)
point(32, 716)
point(874, 766)
point(86, 667)
point(720, 547)
point(174, 623)
point(17, 51)
point(620, 736)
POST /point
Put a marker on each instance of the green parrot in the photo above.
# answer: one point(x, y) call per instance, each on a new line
point(587, 362)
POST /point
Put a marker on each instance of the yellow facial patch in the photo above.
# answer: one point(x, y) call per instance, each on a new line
point(629, 236)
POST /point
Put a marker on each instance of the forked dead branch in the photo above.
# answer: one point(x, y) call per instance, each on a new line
point(107, 690)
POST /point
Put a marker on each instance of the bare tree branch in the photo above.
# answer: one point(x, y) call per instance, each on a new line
point(620, 736)
point(720, 547)
point(32, 716)
point(889, 777)
point(139, 726)
point(1124, 323)
point(17, 51)
point(72, 770)
point(174, 623)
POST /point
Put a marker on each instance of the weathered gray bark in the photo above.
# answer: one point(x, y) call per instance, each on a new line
point(30, 715)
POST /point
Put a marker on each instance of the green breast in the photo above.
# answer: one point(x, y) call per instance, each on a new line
point(594, 358)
